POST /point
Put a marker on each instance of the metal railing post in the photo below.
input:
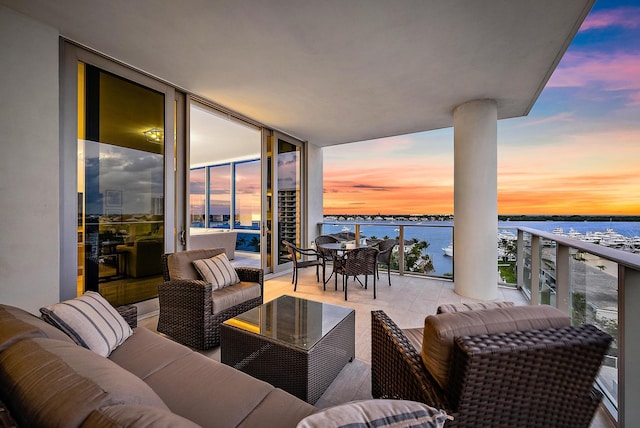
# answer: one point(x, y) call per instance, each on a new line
point(401, 251)
point(535, 270)
point(628, 347)
point(563, 284)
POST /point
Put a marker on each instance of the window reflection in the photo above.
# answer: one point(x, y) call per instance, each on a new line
point(120, 186)
point(219, 196)
point(197, 189)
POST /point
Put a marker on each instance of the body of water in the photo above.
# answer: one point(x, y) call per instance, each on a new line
point(440, 234)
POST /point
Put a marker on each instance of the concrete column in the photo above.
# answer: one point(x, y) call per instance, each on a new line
point(314, 191)
point(476, 199)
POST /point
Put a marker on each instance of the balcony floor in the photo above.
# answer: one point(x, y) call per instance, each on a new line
point(407, 302)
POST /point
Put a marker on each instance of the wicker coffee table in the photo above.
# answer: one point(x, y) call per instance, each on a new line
point(295, 344)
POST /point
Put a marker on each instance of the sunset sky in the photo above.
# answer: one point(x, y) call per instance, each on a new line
point(578, 151)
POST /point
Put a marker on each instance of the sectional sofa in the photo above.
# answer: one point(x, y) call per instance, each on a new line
point(48, 380)
point(110, 375)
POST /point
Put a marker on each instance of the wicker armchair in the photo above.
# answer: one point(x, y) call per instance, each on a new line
point(540, 378)
point(359, 261)
point(186, 305)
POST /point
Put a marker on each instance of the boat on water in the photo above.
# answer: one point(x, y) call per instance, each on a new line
point(448, 250)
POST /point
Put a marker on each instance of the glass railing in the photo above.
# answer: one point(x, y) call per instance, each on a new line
point(421, 245)
point(593, 284)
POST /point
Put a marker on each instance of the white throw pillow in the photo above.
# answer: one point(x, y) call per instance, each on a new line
point(377, 413)
point(90, 321)
point(217, 271)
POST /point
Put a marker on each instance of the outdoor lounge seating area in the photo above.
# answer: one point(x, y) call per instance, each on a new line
point(407, 303)
point(504, 356)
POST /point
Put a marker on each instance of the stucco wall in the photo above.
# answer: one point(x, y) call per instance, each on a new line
point(29, 167)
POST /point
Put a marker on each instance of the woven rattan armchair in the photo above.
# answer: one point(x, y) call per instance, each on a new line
point(186, 305)
point(358, 261)
point(541, 378)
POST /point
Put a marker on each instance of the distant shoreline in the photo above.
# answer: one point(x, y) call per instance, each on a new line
point(507, 217)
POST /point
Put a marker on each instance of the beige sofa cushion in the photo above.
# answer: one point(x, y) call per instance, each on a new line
point(233, 295)
point(180, 264)
point(146, 352)
point(49, 382)
point(217, 394)
point(278, 409)
point(440, 330)
point(17, 324)
point(135, 416)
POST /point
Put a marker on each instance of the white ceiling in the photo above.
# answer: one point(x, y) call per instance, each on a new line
point(332, 71)
point(217, 139)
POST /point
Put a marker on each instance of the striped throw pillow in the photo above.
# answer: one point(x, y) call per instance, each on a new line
point(377, 413)
point(90, 321)
point(217, 271)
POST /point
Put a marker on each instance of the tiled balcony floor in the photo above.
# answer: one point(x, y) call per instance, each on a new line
point(407, 302)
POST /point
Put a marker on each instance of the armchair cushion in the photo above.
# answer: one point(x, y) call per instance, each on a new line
point(376, 413)
point(233, 295)
point(440, 330)
point(217, 271)
point(90, 321)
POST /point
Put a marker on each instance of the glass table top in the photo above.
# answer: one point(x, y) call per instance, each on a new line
point(293, 321)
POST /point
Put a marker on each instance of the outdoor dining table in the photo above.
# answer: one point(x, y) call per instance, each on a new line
point(338, 250)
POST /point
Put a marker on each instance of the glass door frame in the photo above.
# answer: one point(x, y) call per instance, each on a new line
point(70, 55)
point(270, 166)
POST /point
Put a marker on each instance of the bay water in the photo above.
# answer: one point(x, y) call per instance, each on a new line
point(439, 234)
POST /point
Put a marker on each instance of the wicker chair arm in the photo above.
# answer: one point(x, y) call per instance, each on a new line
point(308, 252)
point(130, 314)
point(397, 370)
point(186, 294)
point(250, 274)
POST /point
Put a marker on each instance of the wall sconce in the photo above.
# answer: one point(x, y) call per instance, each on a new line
point(154, 135)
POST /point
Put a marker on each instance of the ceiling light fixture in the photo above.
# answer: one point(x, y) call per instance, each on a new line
point(154, 135)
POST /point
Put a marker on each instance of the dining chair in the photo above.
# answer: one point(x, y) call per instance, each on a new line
point(385, 249)
point(297, 256)
point(325, 239)
point(358, 261)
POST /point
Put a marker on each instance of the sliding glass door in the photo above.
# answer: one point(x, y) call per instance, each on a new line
point(224, 183)
point(118, 206)
point(120, 186)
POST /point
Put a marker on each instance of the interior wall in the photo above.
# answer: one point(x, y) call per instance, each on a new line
point(29, 163)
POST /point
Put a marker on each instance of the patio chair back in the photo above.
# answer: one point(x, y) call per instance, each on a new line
point(297, 255)
point(384, 256)
point(325, 239)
